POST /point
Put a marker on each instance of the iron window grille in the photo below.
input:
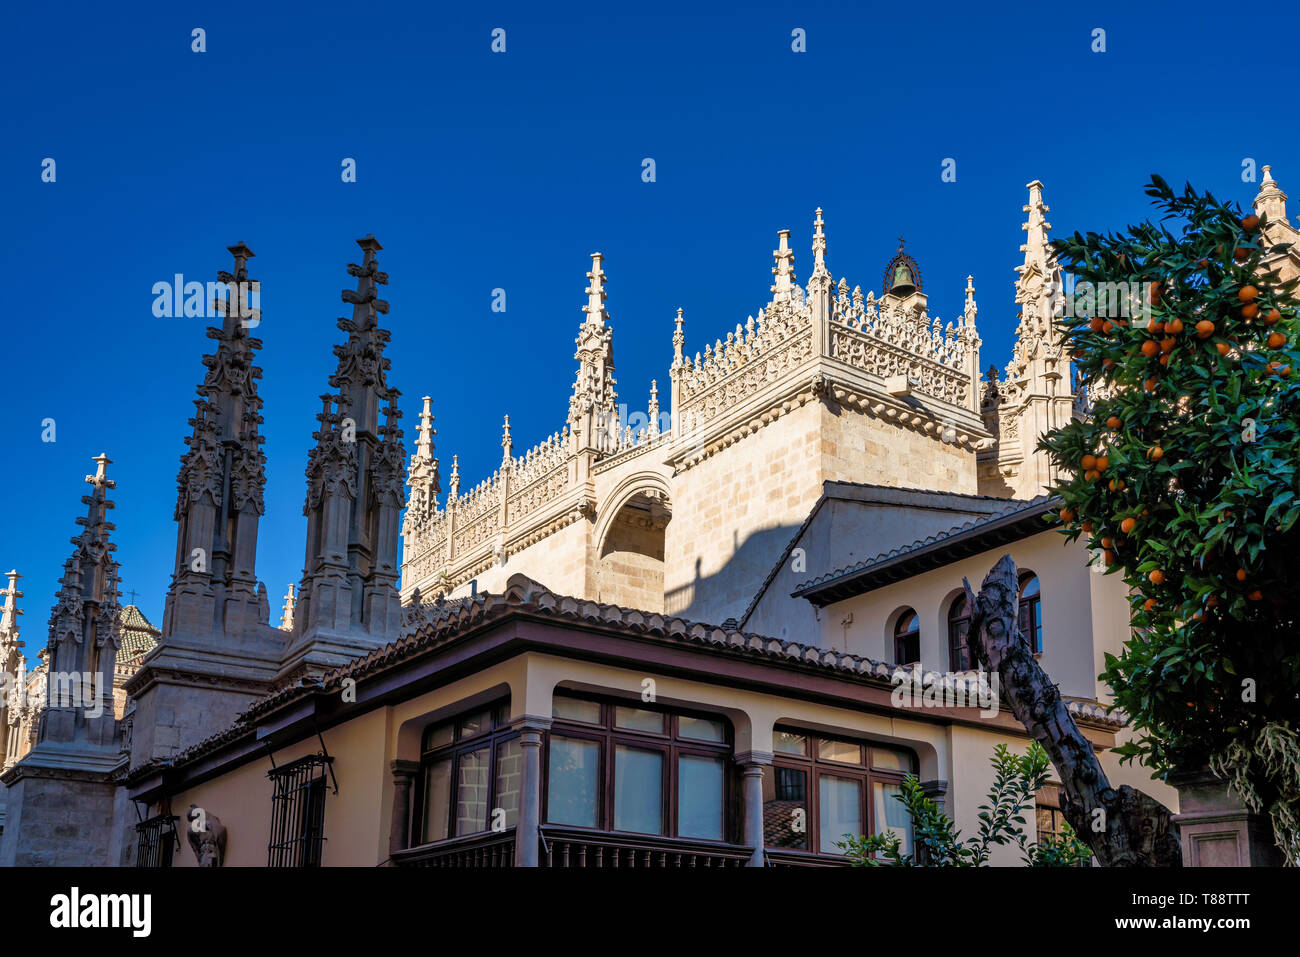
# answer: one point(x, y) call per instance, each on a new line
point(298, 812)
point(156, 841)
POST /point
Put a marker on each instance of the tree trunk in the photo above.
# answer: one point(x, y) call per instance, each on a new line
point(1123, 827)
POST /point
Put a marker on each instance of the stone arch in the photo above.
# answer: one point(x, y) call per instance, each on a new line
point(629, 543)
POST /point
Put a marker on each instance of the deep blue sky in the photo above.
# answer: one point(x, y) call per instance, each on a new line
point(479, 170)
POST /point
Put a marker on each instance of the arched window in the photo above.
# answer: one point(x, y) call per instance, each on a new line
point(960, 655)
point(1031, 612)
point(907, 638)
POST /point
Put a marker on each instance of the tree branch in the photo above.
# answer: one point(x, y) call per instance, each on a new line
point(1124, 827)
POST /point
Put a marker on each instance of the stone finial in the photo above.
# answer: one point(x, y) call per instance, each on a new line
point(679, 340)
point(286, 616)
point(653, 409)
point(968, 317)
point(1270, 202)
point(784, 268)
point(100, 479)
point(819, 246)
point(595, 307)
point(1035, 247)
point(10, 612)
point(506, 442)
point(424, 441)
point(455, 479)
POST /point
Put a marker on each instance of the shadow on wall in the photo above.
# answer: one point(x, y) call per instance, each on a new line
point(727, 592)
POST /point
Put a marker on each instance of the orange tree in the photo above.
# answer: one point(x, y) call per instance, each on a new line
point(1184, 480)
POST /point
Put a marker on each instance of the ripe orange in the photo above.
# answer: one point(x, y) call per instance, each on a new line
point(1154, 295)
point(1087, 527)
point(1250, 310)
point(1155, 453)
point(1149, 604)
point(1157, 577)
point(1128, 525)
point(1255, 595)
point(1108, 327)
point(1109, 557)
point(1108, 542)
point(1223, 348)
point(1095, 323)
point(1204, 329)
point(1250, 223)
point(1276, 340)
point(1164, 359)
point(1150, 384)
point(1067, 515)
point(1167, 344)
point(1113, 422)
point(1150, 348)
point(1103, 463)
point(1174, 326)
point(1241, 574)
point(1157, 326)
point(1088, 461)
point(1091, 475)
point(1247, 293)
point(1272, 316)
point(1241, 254)
point(1108, 364)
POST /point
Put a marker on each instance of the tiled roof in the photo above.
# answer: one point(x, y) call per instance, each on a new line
point(523, 595)
point(139, 636)
point(1015, 509)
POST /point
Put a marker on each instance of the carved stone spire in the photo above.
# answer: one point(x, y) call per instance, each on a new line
point(221, 481)
point(679, 340)
point(971, 311)
point(1035, 246)
point(84, 630)
point(819, 249)
point(12, 666)
point(356, 473)
point(593, 408)
point(422, 475)
point(506, 444)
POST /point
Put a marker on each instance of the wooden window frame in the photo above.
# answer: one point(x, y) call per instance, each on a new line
point(1035, 640)
point(671, 743)
point(493, 738)
point(902, 659)
point(955, 647)
point(814, 767)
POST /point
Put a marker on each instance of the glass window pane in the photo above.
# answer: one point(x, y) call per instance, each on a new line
point(890, 814)
point(701, 729)
point(839, 751)
point(437, 799)
point(472, 792)
point(510, 766)
point(700, 797)
point(887, 759)
point(636, 719)
point(573, 782)
point(785, 807)
point(575, 709)
point(787, 742)
point(475, 724)
point(638, 790)
point(439, 736)
point(840, 810)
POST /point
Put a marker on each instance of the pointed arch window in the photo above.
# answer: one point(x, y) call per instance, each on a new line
point(907, 638)
point(1031, 611)
point(961, 657)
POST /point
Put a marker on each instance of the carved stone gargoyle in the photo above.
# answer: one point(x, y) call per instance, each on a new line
point(207, 836)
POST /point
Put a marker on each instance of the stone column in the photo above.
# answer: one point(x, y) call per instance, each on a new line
point(752, 764)
point(527, 830)
point(1216, 829)
point(399, 832)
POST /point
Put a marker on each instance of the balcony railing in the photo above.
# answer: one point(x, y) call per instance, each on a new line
point(476, 850)
point(571, 847)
